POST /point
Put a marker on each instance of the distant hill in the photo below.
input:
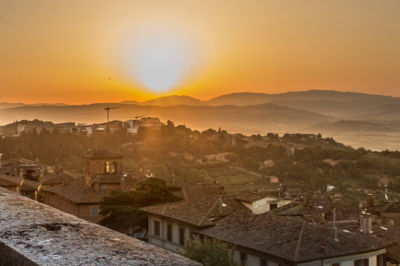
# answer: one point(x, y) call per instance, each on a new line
point(342, 105)
point(5, 105)
point(174, 100)
point(237, 118)
point(354, 118)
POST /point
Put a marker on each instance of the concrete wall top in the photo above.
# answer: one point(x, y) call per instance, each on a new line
point(47, 236)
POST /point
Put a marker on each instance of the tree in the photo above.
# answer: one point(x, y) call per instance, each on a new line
point(210, 252)
point(122, 209)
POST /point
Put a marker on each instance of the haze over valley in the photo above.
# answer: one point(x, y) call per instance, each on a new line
point(356, 119)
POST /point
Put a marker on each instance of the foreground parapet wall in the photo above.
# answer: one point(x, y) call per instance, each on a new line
point(32, 233)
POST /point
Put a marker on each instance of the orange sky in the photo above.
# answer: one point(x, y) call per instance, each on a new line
point(88, 51)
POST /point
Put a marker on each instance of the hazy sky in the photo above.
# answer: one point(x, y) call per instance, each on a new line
point(78, 51)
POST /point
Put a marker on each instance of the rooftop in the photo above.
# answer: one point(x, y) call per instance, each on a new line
point(103, 154)
point(251, 196)
point(291, 239)
point(47, 236)
point(77, 192)
point(294, 240)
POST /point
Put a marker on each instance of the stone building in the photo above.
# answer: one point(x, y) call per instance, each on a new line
point(100, 163)
point(82, 198)
point(259, 238)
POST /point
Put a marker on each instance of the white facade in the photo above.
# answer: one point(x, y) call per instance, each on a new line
point(264, 205)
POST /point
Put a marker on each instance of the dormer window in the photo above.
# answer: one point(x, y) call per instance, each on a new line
point(107, 167)
point(114, 167)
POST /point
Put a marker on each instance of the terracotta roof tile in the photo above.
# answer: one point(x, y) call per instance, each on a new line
point(78, 192)
point(291, 239)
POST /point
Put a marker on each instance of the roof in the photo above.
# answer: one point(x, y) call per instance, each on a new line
point(390, 234)
point(78, 192)
point(60, 178)
point(103, 154)
point(293, 240)
point(20, 161)
point(200, 205)
point(10, 181)
point(251, 196)
point(29, 185)
point(392, 206)
point(43, 235)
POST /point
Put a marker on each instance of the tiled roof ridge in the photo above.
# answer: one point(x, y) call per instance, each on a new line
point(298, 245)
point(210, 210)
point(185, 196)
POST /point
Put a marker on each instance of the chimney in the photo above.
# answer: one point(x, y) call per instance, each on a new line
point(366, 223)
point(370, 201)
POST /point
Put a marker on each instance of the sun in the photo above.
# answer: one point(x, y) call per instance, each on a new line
point(159, 61)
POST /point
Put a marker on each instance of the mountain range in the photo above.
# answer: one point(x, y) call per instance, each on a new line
point(360, 119)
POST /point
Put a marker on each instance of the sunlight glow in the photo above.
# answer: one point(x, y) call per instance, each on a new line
point(159, 62)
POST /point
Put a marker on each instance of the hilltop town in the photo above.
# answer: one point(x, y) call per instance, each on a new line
point(284, 200)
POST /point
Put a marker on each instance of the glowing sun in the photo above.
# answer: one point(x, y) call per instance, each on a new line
point(160, 61)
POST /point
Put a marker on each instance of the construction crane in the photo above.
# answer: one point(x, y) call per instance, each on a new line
point(107, 109)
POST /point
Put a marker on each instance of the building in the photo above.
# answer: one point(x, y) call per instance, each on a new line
point(259, 239)
point(75, 198)
point(101, 163)
point(259, 202)
point(11, 183)
point(21, 167)
point(82, 196)
point(29, 189)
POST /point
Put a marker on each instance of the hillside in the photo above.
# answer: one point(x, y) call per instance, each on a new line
point(354, 118)
point(249, 119)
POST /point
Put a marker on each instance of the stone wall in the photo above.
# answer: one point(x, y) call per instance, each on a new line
point(32, 233)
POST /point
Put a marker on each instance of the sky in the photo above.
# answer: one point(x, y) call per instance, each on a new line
point(76, 51)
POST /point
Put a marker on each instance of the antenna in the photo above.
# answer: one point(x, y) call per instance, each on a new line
point(107, 109)
point(335, 238)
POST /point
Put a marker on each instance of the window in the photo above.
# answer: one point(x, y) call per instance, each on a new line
point(94, 210)
point(363, 262)
point(114, 167)
point(263, 262)
point(169, 232)
point(273, 206)
point(243, 258)
point(156, 228)
point(107, 167)
point(181, 236)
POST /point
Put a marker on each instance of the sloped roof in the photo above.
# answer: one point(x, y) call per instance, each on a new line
point(197, 213)
point(103, 154)
point(200, 204)
point(293, 240)
point(6, 180)
point(251, 196)
point(60, 178)
point(78, 192)
point(29, 185)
